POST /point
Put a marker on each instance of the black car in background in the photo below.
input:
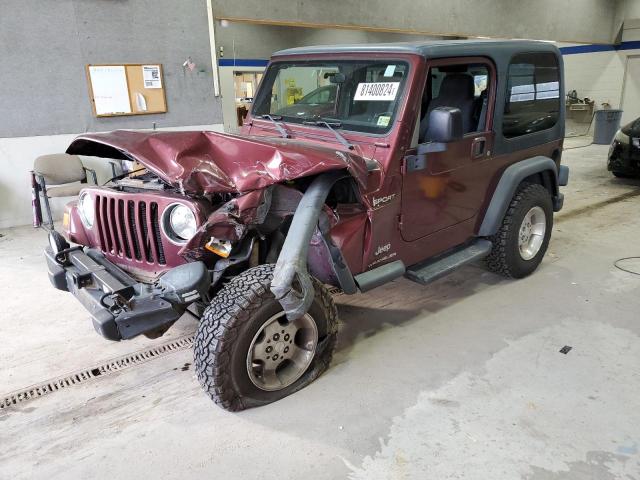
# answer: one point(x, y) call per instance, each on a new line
point(624, 153)
point(319, 102)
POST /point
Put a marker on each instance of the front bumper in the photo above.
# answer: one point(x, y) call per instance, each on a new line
point(624, 157)
point(120, 307)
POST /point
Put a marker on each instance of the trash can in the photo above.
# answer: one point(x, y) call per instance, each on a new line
point(607, 124)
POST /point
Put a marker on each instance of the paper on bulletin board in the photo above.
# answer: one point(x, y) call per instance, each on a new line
point(151, 76)
point(110, 89)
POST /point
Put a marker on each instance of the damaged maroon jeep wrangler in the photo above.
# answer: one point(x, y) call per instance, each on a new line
point(356, 166)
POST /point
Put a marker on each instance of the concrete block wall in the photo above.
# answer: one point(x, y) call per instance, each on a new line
point(598, 71)
point(44, 100)
point(568, 20)
point(597, 75)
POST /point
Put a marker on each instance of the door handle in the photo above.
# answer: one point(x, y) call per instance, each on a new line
point(478, 146)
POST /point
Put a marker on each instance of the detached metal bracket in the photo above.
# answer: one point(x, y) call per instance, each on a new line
point(291, 283)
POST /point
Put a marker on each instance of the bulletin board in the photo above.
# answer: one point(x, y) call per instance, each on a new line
point(126, 89)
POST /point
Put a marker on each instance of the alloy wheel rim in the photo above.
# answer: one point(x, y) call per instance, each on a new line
point(281, 351)
point(531, 233)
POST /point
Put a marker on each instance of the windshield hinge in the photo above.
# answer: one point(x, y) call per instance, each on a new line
point(403, 166)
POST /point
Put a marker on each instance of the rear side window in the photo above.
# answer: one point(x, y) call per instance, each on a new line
point(532, 103)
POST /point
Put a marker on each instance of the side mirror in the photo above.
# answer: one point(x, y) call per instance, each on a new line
point(445, 125)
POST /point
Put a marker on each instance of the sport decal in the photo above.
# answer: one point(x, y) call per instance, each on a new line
point(381, 201)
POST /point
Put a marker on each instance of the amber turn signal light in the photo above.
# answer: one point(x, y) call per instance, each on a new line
point(219, 247)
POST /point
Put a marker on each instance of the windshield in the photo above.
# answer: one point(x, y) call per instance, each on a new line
point(359, 95)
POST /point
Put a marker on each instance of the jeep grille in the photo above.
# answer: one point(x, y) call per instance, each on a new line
point(129, 229)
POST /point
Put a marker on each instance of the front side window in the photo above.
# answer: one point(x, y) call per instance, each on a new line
point(462, 86)
point(358, 95)
point(533, 94)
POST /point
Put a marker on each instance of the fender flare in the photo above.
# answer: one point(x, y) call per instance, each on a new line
point(508, 184)
point(292, 262)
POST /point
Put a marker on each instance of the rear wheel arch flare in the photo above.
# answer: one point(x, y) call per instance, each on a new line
point(546, 178)
point(540, 169)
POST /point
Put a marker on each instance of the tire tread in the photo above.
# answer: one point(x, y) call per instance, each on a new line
point(498, 260)
point(235, 304)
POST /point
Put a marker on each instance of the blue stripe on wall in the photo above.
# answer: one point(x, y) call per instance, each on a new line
point(586, 49)
point(600, 48)
point(242, 62)
point(629, 45)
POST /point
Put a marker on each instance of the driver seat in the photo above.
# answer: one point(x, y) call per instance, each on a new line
point(456, 90)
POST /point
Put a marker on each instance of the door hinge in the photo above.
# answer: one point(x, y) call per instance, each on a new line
point(413, 163)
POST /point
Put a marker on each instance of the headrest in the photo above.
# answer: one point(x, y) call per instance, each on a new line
point(457, 84)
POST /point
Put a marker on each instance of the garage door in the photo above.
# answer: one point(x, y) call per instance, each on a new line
point(631, 93)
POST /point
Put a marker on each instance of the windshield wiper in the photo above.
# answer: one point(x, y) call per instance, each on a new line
point(330, 125)
point(274, 119)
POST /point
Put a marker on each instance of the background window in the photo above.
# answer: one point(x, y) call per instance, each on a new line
point(533, 94)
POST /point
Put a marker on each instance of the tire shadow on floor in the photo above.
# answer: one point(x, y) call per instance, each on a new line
point(403, 302)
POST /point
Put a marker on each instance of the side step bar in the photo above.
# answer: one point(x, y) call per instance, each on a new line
point(428, 271)
point(379, 276)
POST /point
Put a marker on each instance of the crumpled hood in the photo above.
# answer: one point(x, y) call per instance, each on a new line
point(207, 162)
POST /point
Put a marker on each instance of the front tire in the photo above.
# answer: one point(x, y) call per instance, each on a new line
point(241, 356)
point(523, 238)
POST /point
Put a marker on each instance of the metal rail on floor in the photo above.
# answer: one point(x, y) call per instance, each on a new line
point(105, 368)
point(102, 369)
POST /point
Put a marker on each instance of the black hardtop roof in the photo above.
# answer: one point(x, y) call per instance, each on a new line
point(431, 48)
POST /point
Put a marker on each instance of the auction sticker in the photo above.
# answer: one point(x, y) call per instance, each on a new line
point(377, 91)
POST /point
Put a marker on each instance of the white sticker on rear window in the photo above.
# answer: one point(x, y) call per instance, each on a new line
point(377, 91)
point(390, 70)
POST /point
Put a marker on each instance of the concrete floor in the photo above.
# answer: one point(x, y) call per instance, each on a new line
point(463, 379)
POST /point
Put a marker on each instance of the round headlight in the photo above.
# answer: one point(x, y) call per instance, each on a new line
point(86, 209)
point(181, 223)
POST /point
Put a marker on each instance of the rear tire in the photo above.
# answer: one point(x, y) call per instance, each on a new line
point(523, 237)
point(235, 323)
